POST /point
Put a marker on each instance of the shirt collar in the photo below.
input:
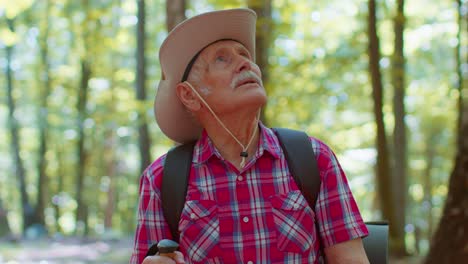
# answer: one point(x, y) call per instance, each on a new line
point(205, 149)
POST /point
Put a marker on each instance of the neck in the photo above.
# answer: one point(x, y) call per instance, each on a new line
point(243, 127)
point(231, 132)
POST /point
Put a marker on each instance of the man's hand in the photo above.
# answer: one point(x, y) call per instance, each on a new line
point(177, 258)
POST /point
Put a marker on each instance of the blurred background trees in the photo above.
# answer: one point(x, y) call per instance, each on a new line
point(382, 82)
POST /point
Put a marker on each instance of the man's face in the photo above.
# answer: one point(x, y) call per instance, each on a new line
point(229, 78)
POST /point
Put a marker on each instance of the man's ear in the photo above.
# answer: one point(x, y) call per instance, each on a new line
point(187, 97)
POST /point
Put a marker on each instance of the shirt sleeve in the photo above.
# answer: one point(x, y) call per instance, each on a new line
point(337, 213)
point(151, 225)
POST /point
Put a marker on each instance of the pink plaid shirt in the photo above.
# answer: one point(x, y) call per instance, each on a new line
point(256, 215)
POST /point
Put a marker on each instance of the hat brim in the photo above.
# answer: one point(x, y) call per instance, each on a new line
point(180, 46)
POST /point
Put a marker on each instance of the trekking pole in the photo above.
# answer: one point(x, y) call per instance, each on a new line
point(167, 247)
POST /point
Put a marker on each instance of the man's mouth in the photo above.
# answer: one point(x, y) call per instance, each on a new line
point(247, 81)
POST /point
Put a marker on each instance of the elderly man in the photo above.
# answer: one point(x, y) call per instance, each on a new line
point(239, 186)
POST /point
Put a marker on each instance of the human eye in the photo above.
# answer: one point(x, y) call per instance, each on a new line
point(245, 54)
point(220, 58)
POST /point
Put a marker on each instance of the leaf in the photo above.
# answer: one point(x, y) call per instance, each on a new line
point(13, 8)
point(8, 38)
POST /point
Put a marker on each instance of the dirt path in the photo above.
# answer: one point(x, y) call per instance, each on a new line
point(66, 251)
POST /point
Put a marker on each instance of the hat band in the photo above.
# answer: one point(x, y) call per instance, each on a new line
point(189, 66)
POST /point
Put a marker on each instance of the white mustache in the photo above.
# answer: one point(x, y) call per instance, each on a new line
point(242, 76)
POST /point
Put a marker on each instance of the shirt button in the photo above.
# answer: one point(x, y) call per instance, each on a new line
point(250, 262)
point(240, 178)
point(245, 219)
point(296, 206)
point(192, 216)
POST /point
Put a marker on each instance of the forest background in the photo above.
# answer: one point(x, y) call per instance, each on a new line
point(382, 82)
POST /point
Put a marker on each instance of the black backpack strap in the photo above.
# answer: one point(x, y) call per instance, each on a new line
point(301, 161)
point(174, 185)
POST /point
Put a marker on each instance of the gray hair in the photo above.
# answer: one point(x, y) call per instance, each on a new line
point(196, 75)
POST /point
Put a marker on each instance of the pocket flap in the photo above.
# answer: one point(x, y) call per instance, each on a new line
point(292, 201)
point(195, 210)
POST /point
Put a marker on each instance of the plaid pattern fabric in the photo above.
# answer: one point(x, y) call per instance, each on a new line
point(256, 215)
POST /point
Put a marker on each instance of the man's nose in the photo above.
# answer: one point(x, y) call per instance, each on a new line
point(243, 64)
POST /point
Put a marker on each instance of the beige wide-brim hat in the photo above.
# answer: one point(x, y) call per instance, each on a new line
point(178, 49)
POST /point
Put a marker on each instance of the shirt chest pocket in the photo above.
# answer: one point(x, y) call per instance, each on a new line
point(199, 230)
point(294, 222)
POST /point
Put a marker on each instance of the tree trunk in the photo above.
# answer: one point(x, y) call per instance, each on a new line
point(175, 13)
point(398, 247)
point(81, 152)
point(42, 181)
point(27, 209)
point(262, 40)
point(4, 226)
point(58, 197)
point(144, 141)
point(81, 216)
point(449, 244)
point(383, 172)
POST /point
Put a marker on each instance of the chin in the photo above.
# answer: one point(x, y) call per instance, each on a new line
point(257, 99)
point(251, 102)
